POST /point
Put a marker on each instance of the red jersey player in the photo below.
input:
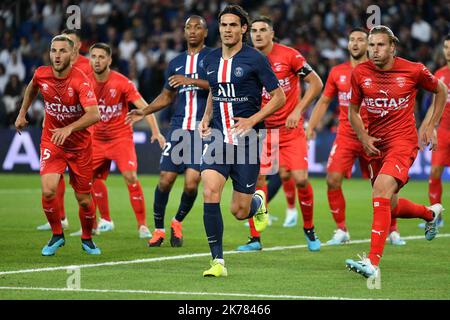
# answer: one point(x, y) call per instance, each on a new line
point(440, 158)
point(82, 63)
point(346, 147)
point(289, 67)
point(71, 107)
point(388, 84)
point(113, 138)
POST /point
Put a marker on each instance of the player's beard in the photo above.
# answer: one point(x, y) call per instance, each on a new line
point(62, 67)
point(101, 71)
point(358, 56)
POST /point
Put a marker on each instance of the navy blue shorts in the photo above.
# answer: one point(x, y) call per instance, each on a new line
point(183, 150)
point(240, 162)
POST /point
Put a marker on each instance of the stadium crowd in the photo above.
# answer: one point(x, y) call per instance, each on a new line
point(146, 34)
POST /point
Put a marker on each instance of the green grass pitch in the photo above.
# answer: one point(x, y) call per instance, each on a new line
point(284, 270)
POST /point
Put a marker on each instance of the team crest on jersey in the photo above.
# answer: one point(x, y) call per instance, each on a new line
point(400, 81)
point(70, 92)
point(112, 92)
point(367, 82)
point(44, 86)
point(342, 78)
point(238, 72)
point(277, 66)
point(201, 63)
point(90, 94)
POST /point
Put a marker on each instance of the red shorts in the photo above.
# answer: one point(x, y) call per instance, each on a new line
point(285, 148)
point(441, 157)
point(394, 161)
point(122, 151)
point(55, 160)
point(343, 154)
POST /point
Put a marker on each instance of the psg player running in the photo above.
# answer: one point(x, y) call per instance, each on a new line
point(236, 74)
point(388, 84)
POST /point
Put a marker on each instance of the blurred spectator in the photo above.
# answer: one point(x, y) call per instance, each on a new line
point(421, 30)
point(101, 11)
point(12, 97)
point(52, 17)
point(16, 66)
point(127, 46)
point(3, 79)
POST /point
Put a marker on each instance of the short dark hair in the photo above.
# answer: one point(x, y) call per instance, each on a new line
point(385, 30)
point(240, 12)
point(447, 37)
point(103, 46)
point(202, 20)
point(359, 29)
point(62, 37)
point(264, 19)
point(72, 31)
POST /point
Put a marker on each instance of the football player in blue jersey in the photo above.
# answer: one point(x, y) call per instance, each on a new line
point(233, 118)
point(187, 88)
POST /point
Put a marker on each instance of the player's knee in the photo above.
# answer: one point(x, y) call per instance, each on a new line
point(301, 183)
point(165, 185)
point(285, 175)
point(191, 189)
point(435, 172)
point(211, 195)
point(48, 194)
point(333, 182)
point(131, 178)
point(239, 212)
point(379, 191)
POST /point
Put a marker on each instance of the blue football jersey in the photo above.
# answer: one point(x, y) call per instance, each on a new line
point(236, 87)
point(190, 101)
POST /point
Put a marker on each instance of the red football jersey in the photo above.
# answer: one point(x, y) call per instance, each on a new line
point(389, 97)
point(443, 74)
point(338, 84)
point(286, 62)
point(83, 64)
point(64, 103)
point(113, 96)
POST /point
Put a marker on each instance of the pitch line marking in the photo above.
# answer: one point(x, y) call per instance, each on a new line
point(188, 256)
point(221, 294)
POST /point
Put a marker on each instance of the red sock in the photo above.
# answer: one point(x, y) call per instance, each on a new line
point(435, 190)
point(253, 232)
point(380, 228)
point(137, 202)
point(393, 226)
point(289, 191)
point(407, 209)
point(60, 191)
point(336, 201)
point(101, 198)
point(51, 210)
point(87, 219)
point(306, 199)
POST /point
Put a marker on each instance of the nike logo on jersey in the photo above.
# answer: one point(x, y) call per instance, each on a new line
point(250, 185)
point(209, 72)
point(178, 68)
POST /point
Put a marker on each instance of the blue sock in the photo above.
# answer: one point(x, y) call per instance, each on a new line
point(273, 185)
point(187, 201)
point(159, 207)
point(212, 218)
point(254, 206)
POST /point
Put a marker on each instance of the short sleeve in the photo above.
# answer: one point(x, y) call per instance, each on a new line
point(86, 93)
point(35, 79)
point(330, 89)
point(131, 93)
point(167, 74)
point(426, 79)
point(297, 61)
point(266, 74)
point(356, 92)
